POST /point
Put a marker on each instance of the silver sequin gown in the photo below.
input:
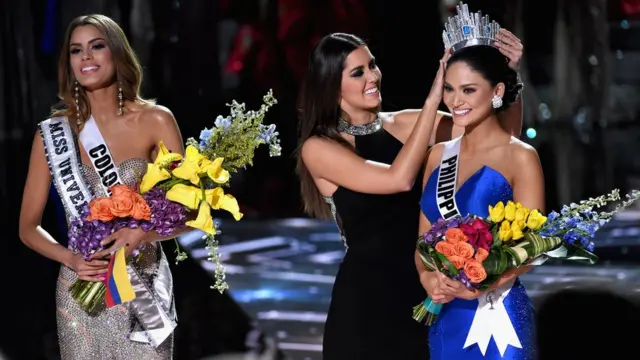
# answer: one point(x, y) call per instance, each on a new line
point(106, 335)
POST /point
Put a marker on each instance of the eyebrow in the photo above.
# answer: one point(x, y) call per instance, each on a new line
point(463, 85)
point(361, 67)
point(90, 42)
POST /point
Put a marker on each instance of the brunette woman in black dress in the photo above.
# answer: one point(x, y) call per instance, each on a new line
point(359, 166)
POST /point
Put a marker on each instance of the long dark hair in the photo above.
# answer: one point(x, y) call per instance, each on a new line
point(319, 108)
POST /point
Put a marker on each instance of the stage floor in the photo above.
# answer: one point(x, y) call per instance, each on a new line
point(282, 271)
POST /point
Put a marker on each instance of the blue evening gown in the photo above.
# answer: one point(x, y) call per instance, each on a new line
point(448, 334)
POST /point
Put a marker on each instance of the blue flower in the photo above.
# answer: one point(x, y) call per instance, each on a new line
point(552, 216)
point(267, 132)
point(205, 135)
point(223, 122)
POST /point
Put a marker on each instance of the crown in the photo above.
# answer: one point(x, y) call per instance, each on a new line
point(469, 29)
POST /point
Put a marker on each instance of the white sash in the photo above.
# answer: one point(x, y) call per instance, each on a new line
point(491, 319)
point(100, 156)
point(448, 179)
point(64, 162)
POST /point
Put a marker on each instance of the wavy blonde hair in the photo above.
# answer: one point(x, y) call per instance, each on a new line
point(128, 68)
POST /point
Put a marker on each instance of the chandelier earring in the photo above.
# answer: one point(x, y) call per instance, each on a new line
point(120, 102)
point(496, 101)
point(77, 100)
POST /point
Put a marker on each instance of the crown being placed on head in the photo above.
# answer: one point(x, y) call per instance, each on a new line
point(469, 29)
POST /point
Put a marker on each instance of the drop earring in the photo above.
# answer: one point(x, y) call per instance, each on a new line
point(120, 107)
point(496, 101)
point(77, 99)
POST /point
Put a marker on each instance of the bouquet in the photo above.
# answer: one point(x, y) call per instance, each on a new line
point(196, 181)
point(477, 251)
point(173, 186)
point(125, 208)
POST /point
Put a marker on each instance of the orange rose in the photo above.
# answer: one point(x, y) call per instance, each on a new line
point(141, 210)
point(120, 189)
point(481, 254)
point(100, 209)
point(457, 261)
point(475, 271)
point(463, 250)
point(454, 236)
point(122, 205)
point(444, 248)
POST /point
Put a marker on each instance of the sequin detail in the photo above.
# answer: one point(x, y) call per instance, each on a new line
point(106, 334)
point(355, 130)
point(334, 213)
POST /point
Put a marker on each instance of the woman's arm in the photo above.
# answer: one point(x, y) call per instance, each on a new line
point(34, 199)
point(325, 159)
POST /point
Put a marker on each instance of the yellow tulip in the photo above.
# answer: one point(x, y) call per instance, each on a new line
point(536, 220)
point(189, 196)
point(496, 214)
point(165, 157)
point(521, 214)
point(505, 233)
point(510, 211)
point(154, 175)
point(204, 221)
point(518, 205)
point(516, 229)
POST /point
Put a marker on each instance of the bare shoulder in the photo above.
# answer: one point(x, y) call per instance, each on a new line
point(522, 152)
point(317, 146)
point(434, 155)
point(157, 115)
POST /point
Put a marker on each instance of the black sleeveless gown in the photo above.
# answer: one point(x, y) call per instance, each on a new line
point(377, 284)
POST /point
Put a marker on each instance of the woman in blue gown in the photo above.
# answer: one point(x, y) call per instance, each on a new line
point(486, 165)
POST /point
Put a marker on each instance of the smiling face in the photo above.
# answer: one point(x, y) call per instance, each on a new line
point(90, 58)
point(360, 89)
point(468, 94)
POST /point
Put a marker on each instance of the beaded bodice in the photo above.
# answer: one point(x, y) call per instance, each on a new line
point(130, 171)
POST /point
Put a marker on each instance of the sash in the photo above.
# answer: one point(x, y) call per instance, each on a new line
point(100, 156)
point(63, 158)
point(448, 179)
point(491, 319)
point(151, 304)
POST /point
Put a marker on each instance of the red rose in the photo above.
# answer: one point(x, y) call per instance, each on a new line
point(470, 232)
point(485, 239)
point(480, 225)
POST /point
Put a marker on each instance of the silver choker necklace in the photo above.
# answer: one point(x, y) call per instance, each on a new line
point(355, 130)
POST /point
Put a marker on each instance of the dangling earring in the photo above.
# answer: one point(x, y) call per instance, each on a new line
point(120, 107)
point(77, 96)
point(496, 101)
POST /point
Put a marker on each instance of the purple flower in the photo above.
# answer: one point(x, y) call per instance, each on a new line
point(166, 216)
point(463, 278)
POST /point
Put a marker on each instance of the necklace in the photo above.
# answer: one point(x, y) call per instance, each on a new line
point(355, 130)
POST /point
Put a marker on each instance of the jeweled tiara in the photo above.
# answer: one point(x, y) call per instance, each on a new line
point(469, 29)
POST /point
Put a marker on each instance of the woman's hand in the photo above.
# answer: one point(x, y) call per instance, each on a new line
point(429, 281)
point(455, 288)
point(437, 88)
point(93, 270)
point(511, 47)
point(130, 238)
